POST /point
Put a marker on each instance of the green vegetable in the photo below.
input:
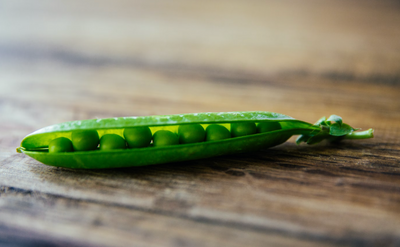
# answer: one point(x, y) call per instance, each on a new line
point(84, 140)
point(165, 138)
point(215, 132)
point(84, 134)
point(191, 133)
point(243, 129)
point(138, 137)
point(60, 145)
point(268, 126)
point(112, 141)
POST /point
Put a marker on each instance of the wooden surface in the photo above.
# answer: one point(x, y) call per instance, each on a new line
point(71, 60)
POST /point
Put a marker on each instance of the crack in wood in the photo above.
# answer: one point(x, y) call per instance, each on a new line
point(236, 76)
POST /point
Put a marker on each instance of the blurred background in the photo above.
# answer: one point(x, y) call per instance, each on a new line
point(73, 60)
point(83, 59)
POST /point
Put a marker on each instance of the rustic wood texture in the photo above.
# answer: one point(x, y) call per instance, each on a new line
point(71, 60)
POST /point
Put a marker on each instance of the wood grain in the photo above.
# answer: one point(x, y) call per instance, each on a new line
point(76, 60)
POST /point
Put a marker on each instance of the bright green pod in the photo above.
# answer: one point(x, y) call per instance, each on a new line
point(36, 144)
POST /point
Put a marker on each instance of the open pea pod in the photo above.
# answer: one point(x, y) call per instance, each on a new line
point(36, 144)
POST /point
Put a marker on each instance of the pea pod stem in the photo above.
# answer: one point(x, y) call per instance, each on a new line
point(360, 134)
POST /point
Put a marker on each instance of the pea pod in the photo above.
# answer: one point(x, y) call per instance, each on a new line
point(36, 144)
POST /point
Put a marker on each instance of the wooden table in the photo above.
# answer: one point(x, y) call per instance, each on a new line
point(73, 60)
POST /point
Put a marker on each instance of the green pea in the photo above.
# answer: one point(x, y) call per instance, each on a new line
point(138, 137)
point(243, 129)
point(216, 132)
point(191, 133)
point(60, 145)
point(165, 138)
point(268, 126)
point(112, 141)
point(84, 140)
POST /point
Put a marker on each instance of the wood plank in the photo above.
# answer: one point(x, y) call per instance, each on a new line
point(86, 222)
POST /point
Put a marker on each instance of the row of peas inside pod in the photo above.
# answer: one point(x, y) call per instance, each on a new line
point(140, 137)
